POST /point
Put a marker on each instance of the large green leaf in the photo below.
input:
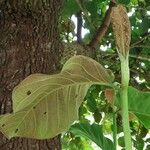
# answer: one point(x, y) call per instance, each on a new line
point(93, 132)
point(46, 105)
point(139, 104)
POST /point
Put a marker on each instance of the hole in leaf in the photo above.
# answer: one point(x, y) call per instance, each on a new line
point(3, 125)
point(16, 130)
point(76, 96)
point(29, 92)
point(45, 113)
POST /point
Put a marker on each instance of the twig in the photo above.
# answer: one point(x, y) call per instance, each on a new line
point(141, 40)
point(130, 55)
point(144, 46)
point(103, 28)
point(79, 26)
point(140, 57)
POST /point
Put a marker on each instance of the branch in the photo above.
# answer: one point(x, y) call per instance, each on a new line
point(85, 12)
point(140, 57)
point(103, 28)
point(144, 46)
point(79, 26)
point(105, 54)
point(146, 35)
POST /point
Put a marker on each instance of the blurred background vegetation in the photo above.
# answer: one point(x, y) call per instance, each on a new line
point(86, 23)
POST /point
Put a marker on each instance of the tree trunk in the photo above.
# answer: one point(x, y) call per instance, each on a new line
point(29, 43)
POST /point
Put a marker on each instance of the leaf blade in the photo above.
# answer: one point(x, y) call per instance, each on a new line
point(49, 104)
point(93, 132)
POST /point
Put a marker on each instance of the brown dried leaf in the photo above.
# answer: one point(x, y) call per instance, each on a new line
point(109, 94)
point(121, 28)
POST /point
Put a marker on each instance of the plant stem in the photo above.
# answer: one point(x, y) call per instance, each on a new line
point(114, 131)
point(124, 101)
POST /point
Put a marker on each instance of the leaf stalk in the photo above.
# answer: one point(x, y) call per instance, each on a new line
point(124, 101)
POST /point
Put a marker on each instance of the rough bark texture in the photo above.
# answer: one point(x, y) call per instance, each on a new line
point(29, 43)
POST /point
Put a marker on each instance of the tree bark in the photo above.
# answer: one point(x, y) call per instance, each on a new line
point(29, 43)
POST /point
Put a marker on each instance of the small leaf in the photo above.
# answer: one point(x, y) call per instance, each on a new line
point(145, 24)
point(46, 105)
point(97, 116)
point(93, 132)
point(91, 104)
point(109, 94)
point(121, 141)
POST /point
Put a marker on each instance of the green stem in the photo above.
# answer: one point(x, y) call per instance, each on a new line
point(114, 131)
point(124, 100)
point(114, 121)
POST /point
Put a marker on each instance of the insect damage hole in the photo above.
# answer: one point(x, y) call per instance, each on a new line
point(16, 130)
point(3, 125)
point(45, 113)
point(28, 92)
point(76, 95)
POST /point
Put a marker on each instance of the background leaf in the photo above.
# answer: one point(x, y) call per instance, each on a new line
point(93, 132)
point(139, 104)
point(126, 2)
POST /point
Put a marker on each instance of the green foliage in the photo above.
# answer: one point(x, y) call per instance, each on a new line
point(70, 8)
point(126, 2)
point(93, 132)
point(97, 116)
point(139, 144)
point(75, 143)
point(121, 141)
point(145, 24)
point(30, 102)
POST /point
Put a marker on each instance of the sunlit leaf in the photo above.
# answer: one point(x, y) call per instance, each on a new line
point(46, 105)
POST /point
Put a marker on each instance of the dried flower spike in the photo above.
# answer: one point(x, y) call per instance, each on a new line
point(121, 28)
